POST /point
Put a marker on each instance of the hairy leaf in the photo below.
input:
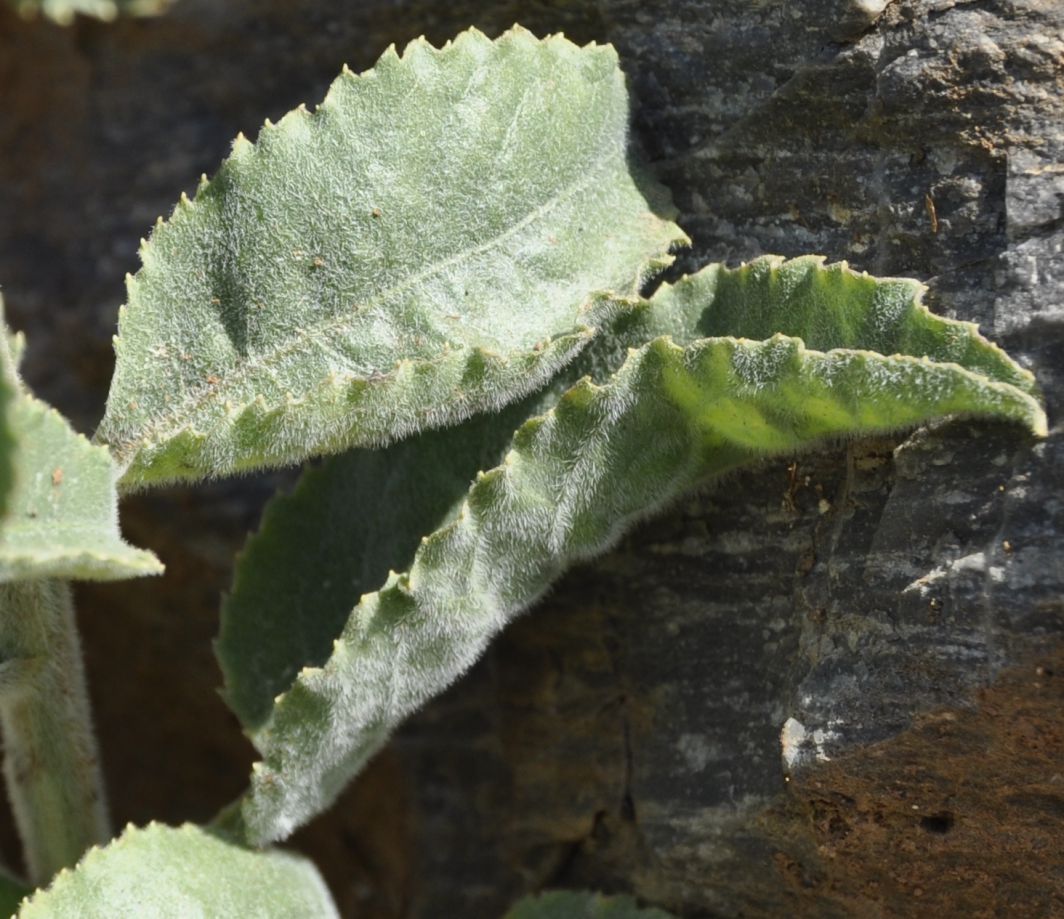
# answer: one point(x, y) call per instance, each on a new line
point(564, 904)
point(421, 247)
point(292, 594)
point(169, 873)
point(293, 591)
point(572, 481)
point(64, 11)
point(62, 508)
point(827, 306)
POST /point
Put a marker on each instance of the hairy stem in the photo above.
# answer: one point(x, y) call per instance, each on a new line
point(50, 764)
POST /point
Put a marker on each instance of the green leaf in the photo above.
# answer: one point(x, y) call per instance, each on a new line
point(64, 11)
point(574, 479)
point(293, 590)
point(62, 508)
point(827, 306)
point(421, 247)
point(169, 873)
point(292, 594)
point(563, 904)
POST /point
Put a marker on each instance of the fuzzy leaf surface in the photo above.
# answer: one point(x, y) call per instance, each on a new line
point(293, 591)
point(827, 306)
point(573, 480)
point(179, 873)
point(64, 11)
point(291, 594)
point(423, 246)
point(62, 506)
point(564, 904)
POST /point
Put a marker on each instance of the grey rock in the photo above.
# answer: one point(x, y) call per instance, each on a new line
point(807, 691)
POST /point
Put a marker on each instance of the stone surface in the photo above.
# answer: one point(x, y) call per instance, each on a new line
point(772, 700)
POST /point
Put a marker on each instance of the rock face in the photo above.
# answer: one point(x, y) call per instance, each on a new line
point(826, 688)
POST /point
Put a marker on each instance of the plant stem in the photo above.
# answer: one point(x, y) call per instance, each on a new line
point(50, 763)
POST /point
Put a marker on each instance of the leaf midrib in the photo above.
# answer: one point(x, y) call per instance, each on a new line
point(169, 423)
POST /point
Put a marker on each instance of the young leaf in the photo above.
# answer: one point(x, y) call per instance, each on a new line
point(564, 904)
point(62, 509)
point(572, 481)
point(293, 591)
point(169, 873)
point(419, 248)
point(827, 306)
point(64, 11)
point(291, 596)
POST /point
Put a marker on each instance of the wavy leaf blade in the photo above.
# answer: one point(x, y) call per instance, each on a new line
point(173, 873)
point(62, 519)
point(827, 306)
point(293, 591)
point(421, 247)
point(573, 480)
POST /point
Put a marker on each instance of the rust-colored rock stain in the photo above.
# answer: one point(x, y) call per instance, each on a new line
point(962, 815)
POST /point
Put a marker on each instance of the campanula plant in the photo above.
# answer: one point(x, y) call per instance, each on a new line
point(437, 280)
